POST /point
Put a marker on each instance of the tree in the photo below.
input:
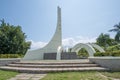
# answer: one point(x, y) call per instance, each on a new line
point(117, 30)
point(104, 40)
point(12, 39)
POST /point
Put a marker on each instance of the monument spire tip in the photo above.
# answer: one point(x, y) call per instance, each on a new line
point(58, 7)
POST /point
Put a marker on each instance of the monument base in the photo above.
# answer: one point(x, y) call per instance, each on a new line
point(64, 56)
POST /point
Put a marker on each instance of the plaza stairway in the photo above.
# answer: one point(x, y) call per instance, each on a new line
point(53, 66)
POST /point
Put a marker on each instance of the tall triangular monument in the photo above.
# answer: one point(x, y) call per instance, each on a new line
point(52, 46)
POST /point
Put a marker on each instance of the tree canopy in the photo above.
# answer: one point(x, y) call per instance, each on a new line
point(117, 30)
point(12, 39)
point(104, 40)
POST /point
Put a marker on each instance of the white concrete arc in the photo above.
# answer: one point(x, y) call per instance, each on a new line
point(97, 47)
point(88, 47)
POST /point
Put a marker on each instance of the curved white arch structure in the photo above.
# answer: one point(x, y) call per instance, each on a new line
point(51, 47)
point(88, 47)
point(97, 47)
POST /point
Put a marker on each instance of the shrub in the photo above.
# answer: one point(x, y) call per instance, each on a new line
point(102, 54)
point(11, 55)
point(112, 53)
point(83, 53)
point(116, 53)
point(114, 48)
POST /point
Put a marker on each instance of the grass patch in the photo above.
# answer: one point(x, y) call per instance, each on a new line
point(87, 75)
point(4, 75)
point(112, 74)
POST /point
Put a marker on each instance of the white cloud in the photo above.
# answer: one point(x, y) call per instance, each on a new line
point(79, 39)
point(36, 45)
point(67, 42)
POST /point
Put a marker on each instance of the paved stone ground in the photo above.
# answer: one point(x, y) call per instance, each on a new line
point(26, 76)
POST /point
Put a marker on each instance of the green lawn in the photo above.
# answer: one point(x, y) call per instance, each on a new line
point(85, 75)
point(4, 75)
point(89, 75)
point(112, 74)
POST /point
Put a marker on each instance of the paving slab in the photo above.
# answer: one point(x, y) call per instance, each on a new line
point(26, 76)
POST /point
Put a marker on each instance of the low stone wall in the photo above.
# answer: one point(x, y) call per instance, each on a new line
point(5, 61)
point(113, 63)
point(64, 56)
point(68, 55)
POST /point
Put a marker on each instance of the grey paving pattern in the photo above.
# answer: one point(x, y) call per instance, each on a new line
point(27, 76)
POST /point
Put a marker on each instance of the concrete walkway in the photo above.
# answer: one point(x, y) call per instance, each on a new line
point(27, 76)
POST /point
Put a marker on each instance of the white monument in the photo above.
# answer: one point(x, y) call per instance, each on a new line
point(51, 47)
point(55, 45)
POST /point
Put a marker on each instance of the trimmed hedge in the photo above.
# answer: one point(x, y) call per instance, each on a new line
point(116, 53)
point(83, 54)
point(113, 48)
point(11, 55)
point(113, 53)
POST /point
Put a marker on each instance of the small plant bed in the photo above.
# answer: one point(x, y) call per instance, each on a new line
point(87, 75)
point(4, 75)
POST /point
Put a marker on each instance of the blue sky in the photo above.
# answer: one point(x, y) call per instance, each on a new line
point(82, 20)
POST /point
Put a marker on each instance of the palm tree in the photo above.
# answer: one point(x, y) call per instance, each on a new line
point(104, 40)
point(117, 30)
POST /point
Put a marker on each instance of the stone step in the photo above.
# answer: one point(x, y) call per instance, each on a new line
point(53, 66)
point(46, 70)
point(51, 63)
